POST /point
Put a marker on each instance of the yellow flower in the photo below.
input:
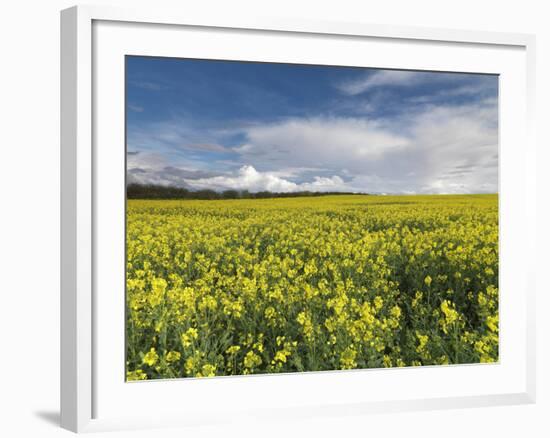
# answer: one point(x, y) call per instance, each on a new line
point(158, 288)
point(395, 312)
point(252, 360)
point(208, 303)
point(151, 357)
point(136, 375)
point(281, 355)
point(417, 299)
point(492, 323)
point(208, 370)
point(422, 342)
point(378, 303)
point(238, 283)
point(173, 356)
point(347, 358)
point(307, 326)
point(451, 316)
point(233, 349)
point(190, 364)
point(481, 347)
point(189, 336)
point(270, 312)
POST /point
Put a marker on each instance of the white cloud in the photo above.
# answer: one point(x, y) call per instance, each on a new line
point(177, 134)
point(248, 178)
point(314, 140)
point(150, 86)
point(442, 149)
point(383, 78)
point(155, 168)
point(145, 160)
point(435, 149)
point(324, 184)
point(209, 147)
point(455, 85)
point(478, 88)
point(135, 108)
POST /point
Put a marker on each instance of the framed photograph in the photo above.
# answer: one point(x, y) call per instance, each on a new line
point(266, 219)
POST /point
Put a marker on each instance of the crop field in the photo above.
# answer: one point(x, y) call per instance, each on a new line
point(247, 286)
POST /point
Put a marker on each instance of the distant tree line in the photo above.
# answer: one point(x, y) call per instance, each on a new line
point(152, 191)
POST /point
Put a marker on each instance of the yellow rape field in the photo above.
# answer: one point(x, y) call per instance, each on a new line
point(310, 284)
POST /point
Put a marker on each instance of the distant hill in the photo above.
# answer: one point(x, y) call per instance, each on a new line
point(151, 191)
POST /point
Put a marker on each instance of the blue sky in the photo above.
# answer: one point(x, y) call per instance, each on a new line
point(283, 127)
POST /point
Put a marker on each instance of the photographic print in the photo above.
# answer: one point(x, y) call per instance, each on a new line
point(287, 218)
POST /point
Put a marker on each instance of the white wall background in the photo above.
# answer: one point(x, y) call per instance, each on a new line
point(29, 215)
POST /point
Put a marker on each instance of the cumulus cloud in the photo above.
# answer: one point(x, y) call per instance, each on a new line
point(248, 178)
point(153, 168)
point(434, 148)
point(324, 184)
point(418, 152)
point(321, 139)
point(442, 149)
point(460, 145)
point(286, 128)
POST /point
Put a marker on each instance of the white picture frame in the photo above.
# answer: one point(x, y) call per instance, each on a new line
point(90, 361)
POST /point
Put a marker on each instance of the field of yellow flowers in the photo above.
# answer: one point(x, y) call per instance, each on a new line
point(309, 284)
